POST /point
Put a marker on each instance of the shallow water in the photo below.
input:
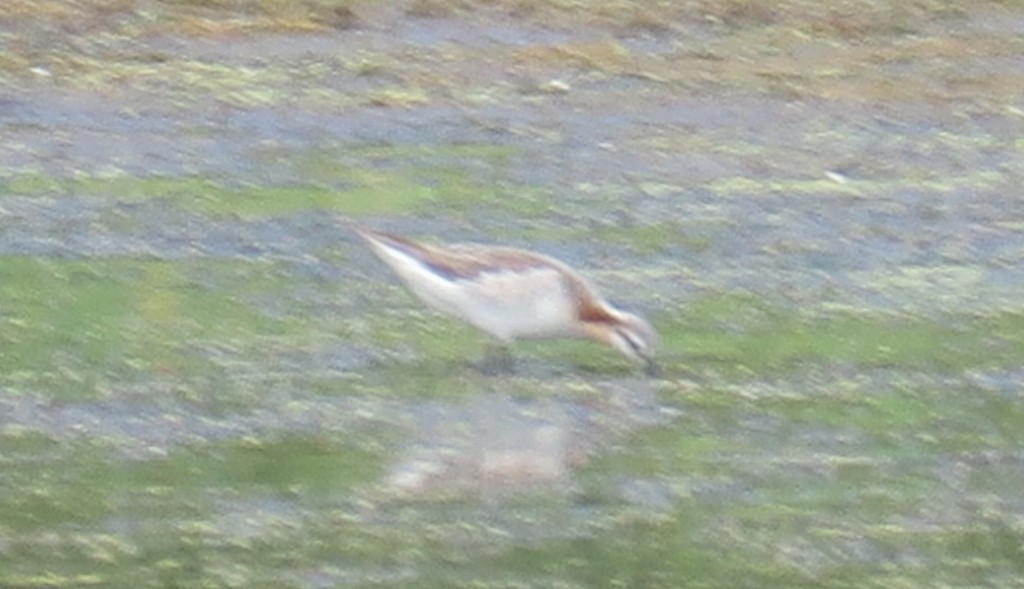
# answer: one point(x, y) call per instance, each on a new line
point(205, 380)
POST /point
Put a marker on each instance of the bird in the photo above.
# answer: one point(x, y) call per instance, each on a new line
point(510, 294)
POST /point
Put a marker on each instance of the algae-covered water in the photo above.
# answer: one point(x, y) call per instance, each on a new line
point(207, 381)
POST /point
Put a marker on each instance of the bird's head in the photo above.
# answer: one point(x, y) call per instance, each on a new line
point(632, 336)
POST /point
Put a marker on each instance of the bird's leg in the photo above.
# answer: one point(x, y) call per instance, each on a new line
point(497, 359)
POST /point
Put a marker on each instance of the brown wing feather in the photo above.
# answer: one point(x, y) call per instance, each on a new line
point(461, 262)
point(468, 261)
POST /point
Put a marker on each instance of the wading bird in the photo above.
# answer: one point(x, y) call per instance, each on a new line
point(512, 294)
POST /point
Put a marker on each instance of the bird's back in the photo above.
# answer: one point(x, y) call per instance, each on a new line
point(506, 292)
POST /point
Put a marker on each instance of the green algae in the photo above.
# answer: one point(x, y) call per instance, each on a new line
point(356, 181)
point(292, 464)
point(748, 335)
point(74, 327)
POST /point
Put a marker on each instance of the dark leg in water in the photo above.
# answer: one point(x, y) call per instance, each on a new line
point(497, 360)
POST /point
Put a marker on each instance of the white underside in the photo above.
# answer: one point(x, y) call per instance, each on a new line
point(508, 305)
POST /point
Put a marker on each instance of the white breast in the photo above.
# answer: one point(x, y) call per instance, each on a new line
point(509, 305)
